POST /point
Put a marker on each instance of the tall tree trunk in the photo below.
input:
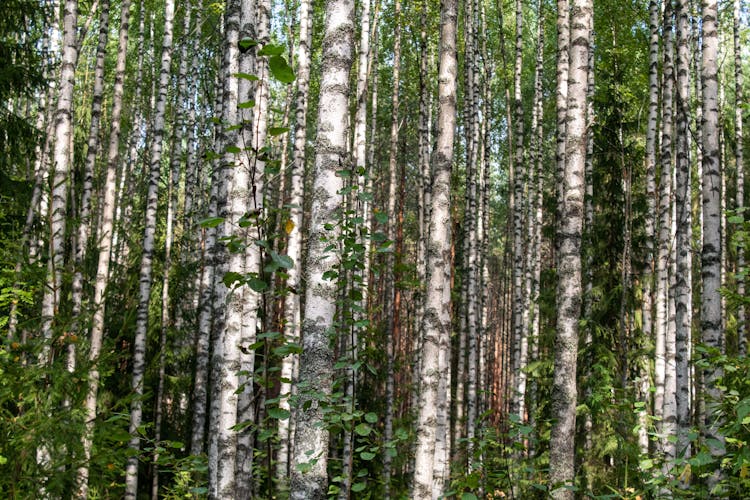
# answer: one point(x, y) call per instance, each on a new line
point(106, 231)
point(436, 326)
point(84, 215)
point(739, 103)
point(649, 223)
point(391, 257)
point(662, 323)
point(292, 325)
point(711, 319)
point(564, 392)
point(146, 268)
point(683, 200)
point(520, 332)
point(320, 300)
point(62, 159)
point(173, 180)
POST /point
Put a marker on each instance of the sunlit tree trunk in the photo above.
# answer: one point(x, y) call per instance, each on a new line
point(84, 214)
point(391, 232)
point(564, 388)
point(661, 326)
point(649, 222)
point(292, 325)
point(62, 163)
point(683, 200)
point(436, 327)
point(739, 102)
point(711, 319)
point(146, 268)
point(520, 332)
point(316, 363)
point(106, 231)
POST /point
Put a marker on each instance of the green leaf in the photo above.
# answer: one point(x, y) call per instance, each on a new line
point(246, 43)
point(381, 217)
point(371, 417)
point(211, 222)
point(271, 49)
point(257, 285)
point(282, 260)
point(231, 277)
point(468, 496)
point(363, 429)
point(366, 455)
point(246, 76)
point(357, 487)
point(274, 131)
point(279, 413)
point(247, 104)
point(232, 149)
point(280, 70)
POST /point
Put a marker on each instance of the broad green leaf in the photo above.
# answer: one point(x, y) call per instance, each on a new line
point(371, 417)
point(468, 496)
point(357, 487)
point(366, 455)
point(247, 104)
point(233, 149)
point(363, 429)
point(246, 76)
point(271, 49)
point(257, 285)
point(211, 222)
point(274, 131)
point(231, 277)
point(280, 70)
point(279, 413)
point(246, 43)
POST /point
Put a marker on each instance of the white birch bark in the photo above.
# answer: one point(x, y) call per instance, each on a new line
point(146, 268)
point(649, 223)
point(569, 269)
point(436, 324)
point(84, 215)
point(390, 284)
point(106, 231)
point(683, 200)
point(711, 318)
point(316, 363)
point(739, 102)
point(292, 325)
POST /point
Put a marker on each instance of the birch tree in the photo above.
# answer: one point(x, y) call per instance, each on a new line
point(146, 268)
point(309, 476)
point(711, 318)
point(569, 267)
point(435, 369)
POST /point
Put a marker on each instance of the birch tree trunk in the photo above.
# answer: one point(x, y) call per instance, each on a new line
point(316, 363)
point(683, 200)
point(62, 159)
point(520, 333)
point(292, 325)
point(146, 269)
point(106, 231)
point(564, 389)
point(84, 215)
point(391, 257)
point(649, 223)
point(739, 103)
point(711, 318)
point(436, 325)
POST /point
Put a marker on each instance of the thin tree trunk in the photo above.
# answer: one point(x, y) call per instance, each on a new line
point(739, 103)
point(662, 396)
point(292, 325)
point(711, 318)
point(649, 223)
point(391, 257)
point(436, 326)
point(683, 200)
point(146, 268)
point(564, 390)
point(320, 300)
point(106, 231)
